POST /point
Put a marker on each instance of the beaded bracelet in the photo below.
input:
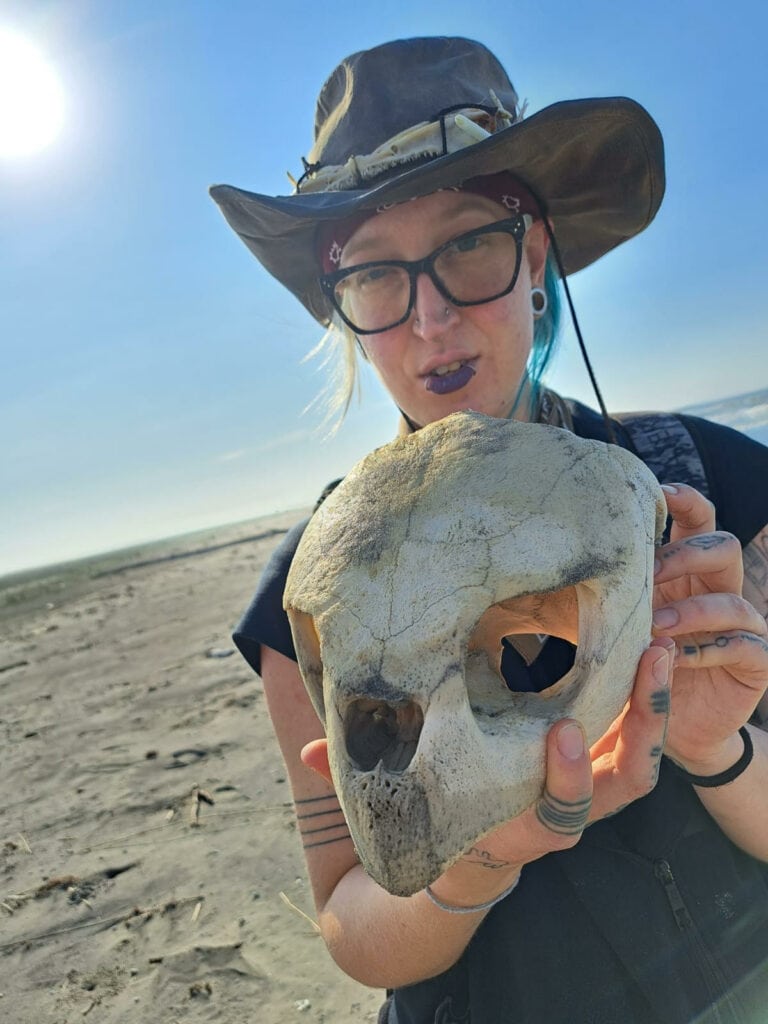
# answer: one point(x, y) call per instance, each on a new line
point(470, 910)
point(712, 781)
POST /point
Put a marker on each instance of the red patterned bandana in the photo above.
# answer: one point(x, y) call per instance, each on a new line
point(503, 188)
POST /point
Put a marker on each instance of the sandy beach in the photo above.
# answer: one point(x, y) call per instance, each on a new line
point(149, 864)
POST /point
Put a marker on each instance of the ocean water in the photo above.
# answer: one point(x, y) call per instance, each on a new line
point(748, 413)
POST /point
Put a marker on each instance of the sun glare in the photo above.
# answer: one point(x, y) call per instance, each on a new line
point(31, 98)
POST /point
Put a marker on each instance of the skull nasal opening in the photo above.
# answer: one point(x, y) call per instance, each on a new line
point(377, 731)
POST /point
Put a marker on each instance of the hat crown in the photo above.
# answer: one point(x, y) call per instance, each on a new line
point(375, 94)
point(596, 165)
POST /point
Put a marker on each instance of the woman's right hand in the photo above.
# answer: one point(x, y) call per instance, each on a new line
point(582, 786)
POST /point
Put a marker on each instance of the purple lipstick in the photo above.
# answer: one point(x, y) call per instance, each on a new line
point(445, 383)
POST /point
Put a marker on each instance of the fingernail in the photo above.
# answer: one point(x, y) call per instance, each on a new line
point(670, 489)
point(570, 742)
point(661, 669)
point(663, 618)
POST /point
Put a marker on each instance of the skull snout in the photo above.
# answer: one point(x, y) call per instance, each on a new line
point(382, 731)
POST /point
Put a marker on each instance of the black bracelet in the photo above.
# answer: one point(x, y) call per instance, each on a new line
point(712, 781)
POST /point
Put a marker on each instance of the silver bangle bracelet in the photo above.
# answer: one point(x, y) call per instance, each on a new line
point(449, 908)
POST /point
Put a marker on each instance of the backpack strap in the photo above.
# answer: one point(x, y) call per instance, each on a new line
point(666, 446)
point(328, 489)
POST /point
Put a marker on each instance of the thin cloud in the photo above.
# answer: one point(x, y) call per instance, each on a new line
point(294, 437)
point(232, 456)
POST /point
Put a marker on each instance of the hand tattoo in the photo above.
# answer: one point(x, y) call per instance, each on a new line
point(566, 817)
point(484, 859)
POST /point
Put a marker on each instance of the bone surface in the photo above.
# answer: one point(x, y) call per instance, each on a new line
point(407, 578)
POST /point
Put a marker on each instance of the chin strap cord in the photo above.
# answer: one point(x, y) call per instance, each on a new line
point(556, 253)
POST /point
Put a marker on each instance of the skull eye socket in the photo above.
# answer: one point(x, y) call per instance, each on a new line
point(377, 731)
point(555, 613)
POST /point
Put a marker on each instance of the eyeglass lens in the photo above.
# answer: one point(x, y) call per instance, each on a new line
point(477, 267)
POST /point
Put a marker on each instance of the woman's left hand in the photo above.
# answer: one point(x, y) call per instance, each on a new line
point(721, 669)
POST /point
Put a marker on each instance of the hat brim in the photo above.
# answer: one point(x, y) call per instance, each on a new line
point(597, 165)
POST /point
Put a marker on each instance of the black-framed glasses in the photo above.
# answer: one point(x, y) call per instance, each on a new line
point(469, 270)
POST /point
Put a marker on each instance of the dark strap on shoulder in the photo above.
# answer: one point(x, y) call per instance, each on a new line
point(328, 489)
point(662, 440)
point(667, 447)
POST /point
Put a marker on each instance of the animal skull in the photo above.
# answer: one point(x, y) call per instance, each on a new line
point(408, 576)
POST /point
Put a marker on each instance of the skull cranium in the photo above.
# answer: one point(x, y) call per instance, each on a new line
point(406, 580)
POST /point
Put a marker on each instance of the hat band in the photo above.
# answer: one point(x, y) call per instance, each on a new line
point(452, 130)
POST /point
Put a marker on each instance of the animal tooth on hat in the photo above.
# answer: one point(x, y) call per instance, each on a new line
point(474, 131)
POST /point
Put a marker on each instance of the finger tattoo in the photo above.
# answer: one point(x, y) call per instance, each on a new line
point(660, 702)
point(656, 753)
point(703, 542)
point(566, 817)
point(706, 541)
point(725, 641)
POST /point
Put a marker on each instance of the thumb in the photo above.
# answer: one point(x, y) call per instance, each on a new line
point(564, 805)
point(315, 756)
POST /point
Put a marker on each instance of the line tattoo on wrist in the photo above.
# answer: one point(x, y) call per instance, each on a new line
point(326, 842)
point(321, 835)
point(319, 814)
point(325, 829)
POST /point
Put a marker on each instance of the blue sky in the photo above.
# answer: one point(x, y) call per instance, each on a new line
point(153, 375)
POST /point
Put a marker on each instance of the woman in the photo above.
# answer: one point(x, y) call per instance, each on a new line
point(429, 227)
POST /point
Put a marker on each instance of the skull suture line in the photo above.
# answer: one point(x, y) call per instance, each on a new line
point(432, 549)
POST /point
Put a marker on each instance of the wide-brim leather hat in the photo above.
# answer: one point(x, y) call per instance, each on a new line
point(416, 115)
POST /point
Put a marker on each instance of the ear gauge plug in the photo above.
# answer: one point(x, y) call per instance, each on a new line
point(539, 302)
